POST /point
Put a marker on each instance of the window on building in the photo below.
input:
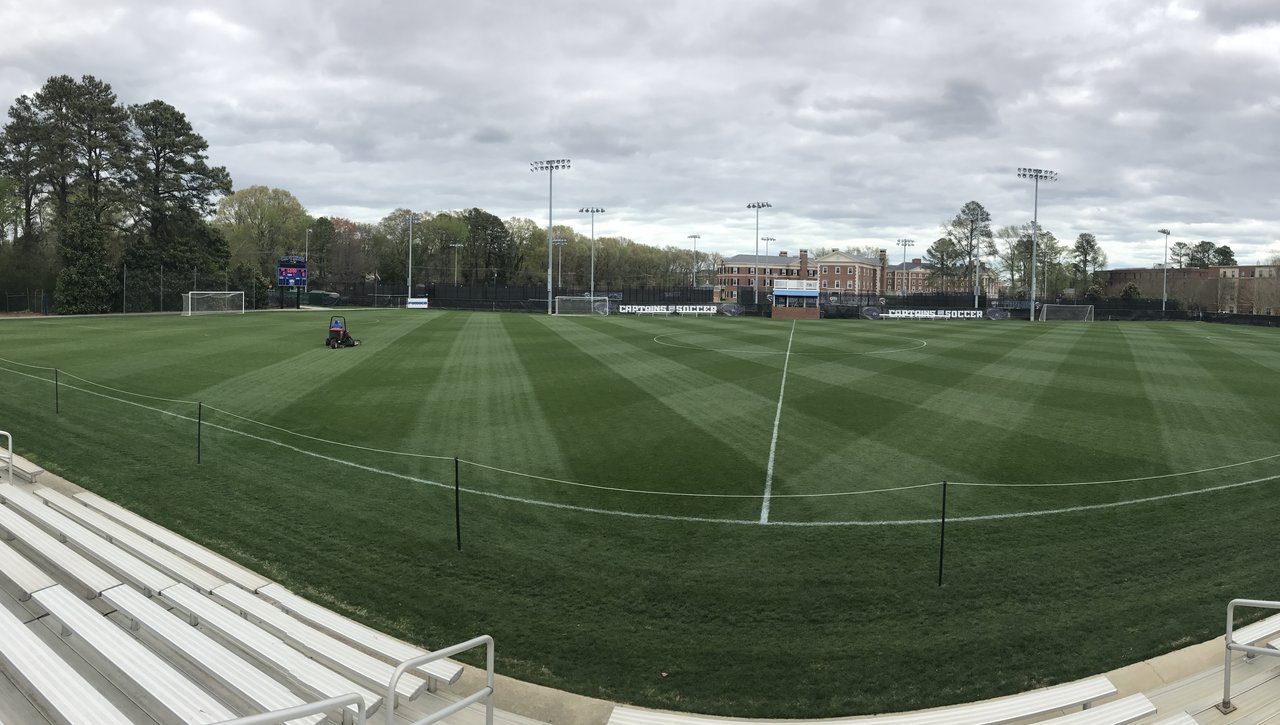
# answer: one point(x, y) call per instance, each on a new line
point(849, 284)
point(850, 270)
point(824, 269)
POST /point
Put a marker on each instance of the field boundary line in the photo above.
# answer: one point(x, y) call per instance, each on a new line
point(669, 517)
point(773, 442)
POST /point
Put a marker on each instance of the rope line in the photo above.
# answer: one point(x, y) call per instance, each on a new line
point(599, 487)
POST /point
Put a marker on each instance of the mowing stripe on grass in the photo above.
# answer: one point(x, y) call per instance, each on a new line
point(777, 418)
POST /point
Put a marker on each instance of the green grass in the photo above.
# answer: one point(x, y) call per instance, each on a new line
point(687, 602)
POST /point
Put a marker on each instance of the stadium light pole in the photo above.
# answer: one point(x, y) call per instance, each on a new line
point(560, 262)
point(1036, 175)
point(1164, 286)
point(766, 241)
point(306, 261)
point(695, 238)
point(455, 246)
point(902, 284)
point(592, 210)
point(410, 294)
point(550, 166)
point(757, 205)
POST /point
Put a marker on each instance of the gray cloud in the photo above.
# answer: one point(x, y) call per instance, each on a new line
point(861, 122)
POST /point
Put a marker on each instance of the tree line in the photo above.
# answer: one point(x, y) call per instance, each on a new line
point(111, 205)
point(969, 249)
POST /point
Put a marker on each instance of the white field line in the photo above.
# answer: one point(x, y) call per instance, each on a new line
point(773, 443)
point(670, 517)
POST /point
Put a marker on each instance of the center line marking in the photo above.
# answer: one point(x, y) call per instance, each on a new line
point(777, 418)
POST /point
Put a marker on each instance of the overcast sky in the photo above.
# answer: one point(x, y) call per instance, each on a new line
point(860, 121)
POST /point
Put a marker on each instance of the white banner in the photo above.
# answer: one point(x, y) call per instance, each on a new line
point(667, 309)
point(417, 303)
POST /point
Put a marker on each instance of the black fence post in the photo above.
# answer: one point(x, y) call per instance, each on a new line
point(942, 532)
point(457, 503)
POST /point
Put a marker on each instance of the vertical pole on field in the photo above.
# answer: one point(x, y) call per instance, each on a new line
point(57, 408)
point(942, 532)
point(199, 425)
point(457, 504)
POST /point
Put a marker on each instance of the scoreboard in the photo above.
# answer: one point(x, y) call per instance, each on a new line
point(292, 272)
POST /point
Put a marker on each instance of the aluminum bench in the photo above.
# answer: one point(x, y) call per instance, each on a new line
point(1118, 712)
point(265, 647)
point(92, 578)
point(223, 666)
point(339, 655)
point(365, 638)
point(224, 568)
point(160, 689)
point(119, 561)
point(131, 541)
point(48, 681)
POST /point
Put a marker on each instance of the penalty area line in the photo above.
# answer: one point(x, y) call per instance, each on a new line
point(773, 443)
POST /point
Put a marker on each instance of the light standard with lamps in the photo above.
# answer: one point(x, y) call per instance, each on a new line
point(550, 166)
point(766, 241)
point(1036, 175)
point(592, 210)
point(560, 263)
point(695, 238)
point(455, 246)
point(410, 292)
point(1164, 286)
point(902, 282)
point(757, 205)
point(306, 259)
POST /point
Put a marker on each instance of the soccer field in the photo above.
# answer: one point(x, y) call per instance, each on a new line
point(725, 515)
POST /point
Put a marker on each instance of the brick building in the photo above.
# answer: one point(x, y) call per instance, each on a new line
point(1244, 289)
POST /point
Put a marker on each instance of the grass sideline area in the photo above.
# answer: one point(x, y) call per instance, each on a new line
point(1111, 487)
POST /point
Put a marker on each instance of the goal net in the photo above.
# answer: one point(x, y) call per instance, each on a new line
point(582, 305)
point(208, 303)
point(1070, 313)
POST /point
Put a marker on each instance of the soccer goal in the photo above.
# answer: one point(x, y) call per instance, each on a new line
point(582, 305)
point(209, 303)
point(1069, 313)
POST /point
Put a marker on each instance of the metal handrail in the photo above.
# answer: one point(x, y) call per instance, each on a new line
point(310, 708)
point(484, 693)
point(8, 456)
point(1225, 706)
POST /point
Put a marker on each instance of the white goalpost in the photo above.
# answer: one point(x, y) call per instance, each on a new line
point(212, 303)
point(582, 305)
point(1068, 313)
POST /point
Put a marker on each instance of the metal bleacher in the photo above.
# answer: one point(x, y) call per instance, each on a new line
point(107, 619)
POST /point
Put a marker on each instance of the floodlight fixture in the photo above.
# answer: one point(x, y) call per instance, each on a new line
point(550, 166)
point(1164, 285)
point(1036, 176)
point(592, 210)
point(904, 243)
point(695, 238)
point(757, 205)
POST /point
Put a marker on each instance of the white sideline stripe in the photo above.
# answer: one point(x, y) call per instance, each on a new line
point(665, 517)
point(773, 443)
